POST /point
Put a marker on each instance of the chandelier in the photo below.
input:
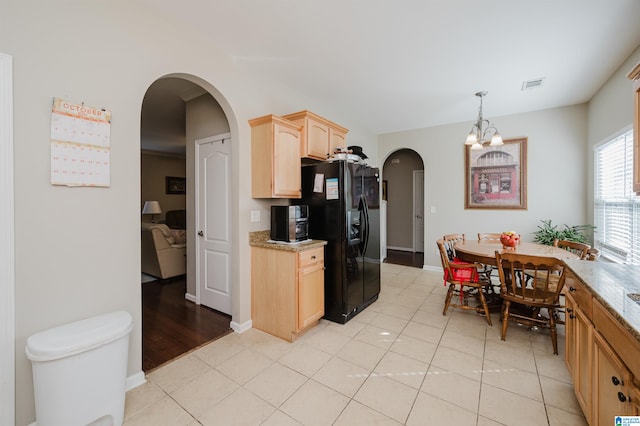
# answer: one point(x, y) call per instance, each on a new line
point(482, 130)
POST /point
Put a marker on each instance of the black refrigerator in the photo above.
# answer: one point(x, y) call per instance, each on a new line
point(344, 210)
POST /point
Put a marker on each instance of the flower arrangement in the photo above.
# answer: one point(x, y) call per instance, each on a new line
point(509, 239)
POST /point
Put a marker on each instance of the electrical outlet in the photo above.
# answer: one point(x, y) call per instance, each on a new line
point(255, 215)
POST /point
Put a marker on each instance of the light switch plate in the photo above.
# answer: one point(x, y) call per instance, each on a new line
point(255, 215)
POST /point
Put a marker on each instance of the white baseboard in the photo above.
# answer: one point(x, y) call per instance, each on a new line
point(409, 249)
point(135, 380)
point(190, 297)
point(432, 268)
point(241, 328)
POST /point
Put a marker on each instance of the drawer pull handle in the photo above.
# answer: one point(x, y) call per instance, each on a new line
point(572, 288)
point(622, 397)
point(615, 380)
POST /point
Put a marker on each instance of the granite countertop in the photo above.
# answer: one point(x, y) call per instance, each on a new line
point(612, 285)
point(261, 239)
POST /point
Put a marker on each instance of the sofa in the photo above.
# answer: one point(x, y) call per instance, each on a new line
point(164, 250)
point(176, 219)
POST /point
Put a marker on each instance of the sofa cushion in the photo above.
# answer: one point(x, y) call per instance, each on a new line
point(179, 235)
point(164, 229)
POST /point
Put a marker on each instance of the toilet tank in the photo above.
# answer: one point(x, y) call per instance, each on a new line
point(80, 369)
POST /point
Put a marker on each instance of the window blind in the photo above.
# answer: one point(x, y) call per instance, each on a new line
point(617, 208)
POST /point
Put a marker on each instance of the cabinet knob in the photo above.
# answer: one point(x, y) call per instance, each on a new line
point(313, 257)
point(572, 288)
point(571, 316)
point(200, 233)
point(615, 380)
point(622, 397)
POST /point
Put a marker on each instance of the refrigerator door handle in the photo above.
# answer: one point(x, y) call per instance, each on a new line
point(365, 210)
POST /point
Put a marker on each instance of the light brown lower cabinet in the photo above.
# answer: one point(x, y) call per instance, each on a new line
point(287, 290)
point(579, 350)
point(601, 356)
point(612, 384)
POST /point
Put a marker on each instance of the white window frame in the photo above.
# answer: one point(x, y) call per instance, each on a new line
point(618, 240)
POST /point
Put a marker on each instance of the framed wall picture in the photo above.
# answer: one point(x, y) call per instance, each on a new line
point(496, 177)
point(176, 185)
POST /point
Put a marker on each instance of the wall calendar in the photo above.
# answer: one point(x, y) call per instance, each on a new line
point(80, 145)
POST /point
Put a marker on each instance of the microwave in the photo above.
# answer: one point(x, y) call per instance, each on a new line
point(290, 223)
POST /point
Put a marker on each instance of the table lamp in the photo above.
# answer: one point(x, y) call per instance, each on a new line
point(152, 208)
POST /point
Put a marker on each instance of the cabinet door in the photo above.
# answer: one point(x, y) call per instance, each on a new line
point(317, 140)
point(570, 335)
point(583, 377)
point(286, 162)
point(310, 295)
point(337, 139)
point(636, 134)
point(611, 384)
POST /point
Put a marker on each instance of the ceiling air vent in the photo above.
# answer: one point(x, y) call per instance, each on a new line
point(532, 84)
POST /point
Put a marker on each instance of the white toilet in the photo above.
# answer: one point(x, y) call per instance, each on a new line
point(80, 369)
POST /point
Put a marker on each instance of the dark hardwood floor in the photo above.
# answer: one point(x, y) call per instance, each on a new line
point(406, 258)
point(172, 326)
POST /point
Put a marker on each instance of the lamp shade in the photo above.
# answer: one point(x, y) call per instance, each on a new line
point(151, 207)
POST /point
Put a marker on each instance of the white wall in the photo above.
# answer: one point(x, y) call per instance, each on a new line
point(81, 256)
point(610, 111)
point(556, 156)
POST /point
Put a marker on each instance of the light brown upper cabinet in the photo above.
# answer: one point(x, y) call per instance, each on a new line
point(634, 75)
point(319, 136)
point(275, 158)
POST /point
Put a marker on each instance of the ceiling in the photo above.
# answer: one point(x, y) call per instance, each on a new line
point(392, 65)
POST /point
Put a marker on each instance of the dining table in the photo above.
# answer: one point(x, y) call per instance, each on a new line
point(484, 251)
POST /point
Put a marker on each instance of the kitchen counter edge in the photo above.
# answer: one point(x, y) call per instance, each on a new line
point(260, 239)
point(610, 284)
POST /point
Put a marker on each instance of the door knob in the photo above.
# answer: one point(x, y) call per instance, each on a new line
point(201, 233)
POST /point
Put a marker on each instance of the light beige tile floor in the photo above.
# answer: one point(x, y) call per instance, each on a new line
point(398, 362)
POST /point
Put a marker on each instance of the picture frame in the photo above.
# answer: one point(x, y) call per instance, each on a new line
point(496, 177)
point(176, 185)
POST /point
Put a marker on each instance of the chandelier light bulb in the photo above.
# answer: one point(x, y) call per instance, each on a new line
point(496, 140)
point(471, 138)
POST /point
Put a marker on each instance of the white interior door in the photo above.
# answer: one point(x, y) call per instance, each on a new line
point(418, 210)
point(213, 206)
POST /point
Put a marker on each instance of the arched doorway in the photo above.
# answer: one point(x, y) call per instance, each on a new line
point(177, 112)
point(403, 187)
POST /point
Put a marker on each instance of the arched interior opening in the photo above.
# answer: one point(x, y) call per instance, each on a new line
point(176, 112)
point(403, 190)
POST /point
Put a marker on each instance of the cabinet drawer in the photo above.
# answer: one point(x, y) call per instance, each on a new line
point(309, 257)
point(622, 342)
point(580, 294)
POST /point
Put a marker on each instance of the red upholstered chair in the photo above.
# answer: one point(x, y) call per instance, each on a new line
point(464, 282)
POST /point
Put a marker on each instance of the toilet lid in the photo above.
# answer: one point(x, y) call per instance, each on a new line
point(80, 336)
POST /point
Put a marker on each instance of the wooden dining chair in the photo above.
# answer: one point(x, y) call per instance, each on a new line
point(449, 242)
point(465, 282)
point(488, 270)
point(525, 301)
point(593, 254)
point(578, 249)
point(491, 236)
